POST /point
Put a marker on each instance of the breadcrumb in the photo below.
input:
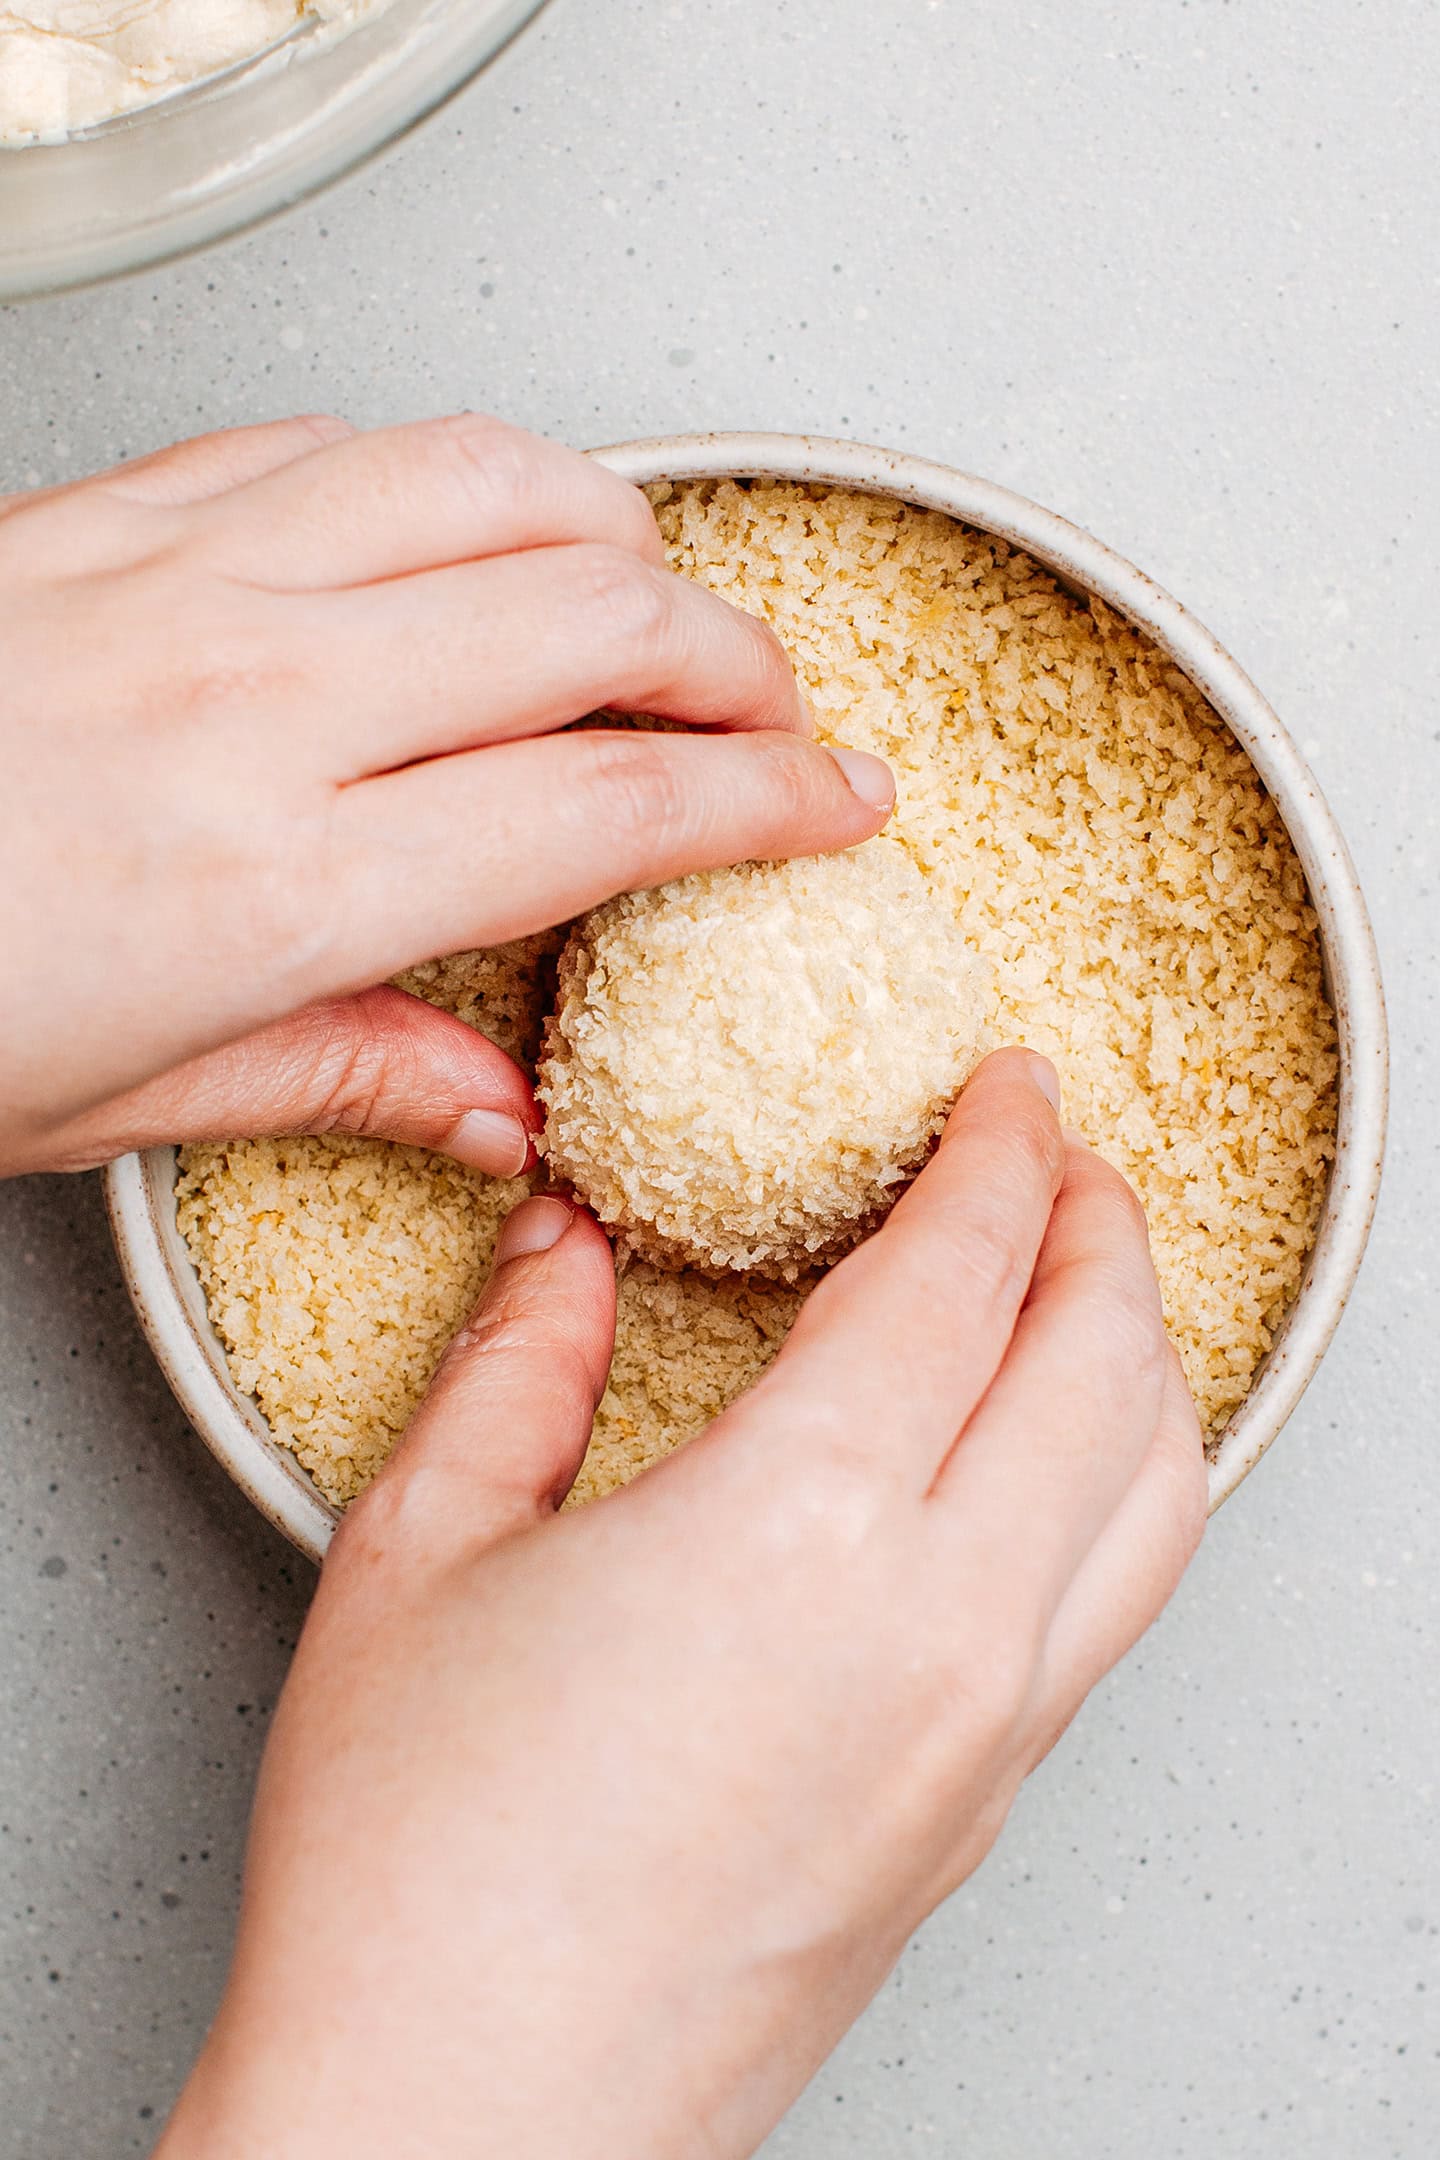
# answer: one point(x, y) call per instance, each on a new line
point(1099, 838)
point(743, 1066)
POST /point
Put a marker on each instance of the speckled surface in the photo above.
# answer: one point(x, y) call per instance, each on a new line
point(1168, 268)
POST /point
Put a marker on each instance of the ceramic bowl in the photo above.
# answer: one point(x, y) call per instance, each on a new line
point(140, 1189)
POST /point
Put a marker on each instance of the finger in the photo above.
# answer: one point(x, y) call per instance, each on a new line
point(96, 523)
point(1045, 1460)
point(381, 1063)
point(478, 849)
point(899, 1343)
point(517, 646)
point(1131, 1572)
point(402, 499)
point(504, 1427)
point(209, 465)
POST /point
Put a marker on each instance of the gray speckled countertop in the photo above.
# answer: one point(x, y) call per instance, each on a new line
point(1169, 268)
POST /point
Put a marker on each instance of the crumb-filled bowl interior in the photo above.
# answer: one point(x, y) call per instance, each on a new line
point(1113, 853)
point(128, 135)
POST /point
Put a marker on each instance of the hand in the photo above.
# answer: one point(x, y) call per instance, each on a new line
point(280, 719)
point(590, 1835)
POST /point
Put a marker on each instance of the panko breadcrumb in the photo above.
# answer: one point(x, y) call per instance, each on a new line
point(1099, 837)
point(335, 1272)
point(744, 1065)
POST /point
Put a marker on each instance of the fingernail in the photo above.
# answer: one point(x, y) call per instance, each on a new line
point(533, 1227)
point(1046, 1078)
point(868, 777)
point(489, 1140)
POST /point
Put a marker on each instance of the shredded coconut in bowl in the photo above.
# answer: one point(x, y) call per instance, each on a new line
point(1090, 829)
point(744, 1065)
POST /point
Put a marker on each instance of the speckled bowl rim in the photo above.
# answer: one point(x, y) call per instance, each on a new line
point(140, 1188)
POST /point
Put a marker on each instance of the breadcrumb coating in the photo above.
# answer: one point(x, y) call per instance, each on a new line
point(1100, 839)
point(745, 1065)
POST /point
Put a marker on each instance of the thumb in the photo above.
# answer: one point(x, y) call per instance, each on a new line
point(496, 1443)
point(382, 1063)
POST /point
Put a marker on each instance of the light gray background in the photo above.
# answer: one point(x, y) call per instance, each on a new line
point(1169, 268)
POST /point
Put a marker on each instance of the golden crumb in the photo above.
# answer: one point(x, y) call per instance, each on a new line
point(335, 1271)
point(1095, 833)
point(744, 1066)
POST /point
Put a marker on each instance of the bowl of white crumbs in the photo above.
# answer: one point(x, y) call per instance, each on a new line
point(1105, 846)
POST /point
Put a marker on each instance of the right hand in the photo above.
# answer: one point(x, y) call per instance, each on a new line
point(590, 1834)
point(282, 716)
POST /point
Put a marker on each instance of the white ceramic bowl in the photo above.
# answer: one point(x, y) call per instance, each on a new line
point(140, 1189)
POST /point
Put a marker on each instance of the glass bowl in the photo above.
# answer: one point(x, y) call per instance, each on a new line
point(213, 158)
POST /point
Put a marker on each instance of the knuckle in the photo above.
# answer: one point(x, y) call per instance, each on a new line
point(990, 1223)
point(507, 1339)
point(1036, 1144)
point(768, 658)
point(638, 522)
point(230, 672)
point(1127, 1205)
point(625, 605)
point(222, 686)
point(469, 434)
point(849, 1483)
point(1112, 1194)
point(497, 465)
point(799, 777)
point(291, 901)
point(764, 640)
point(1014, 1147)
point(493, 1334)
point(393, 1523)
point(323, 428)
point(360, 1067)
point(569, 1385)
point(989, 1701)
point(985, 1251)
point(567, 1394)
point(855, 1480)
point(774, 652)
point(829, 1522)
point(1125, 1315)
point(640, 792)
